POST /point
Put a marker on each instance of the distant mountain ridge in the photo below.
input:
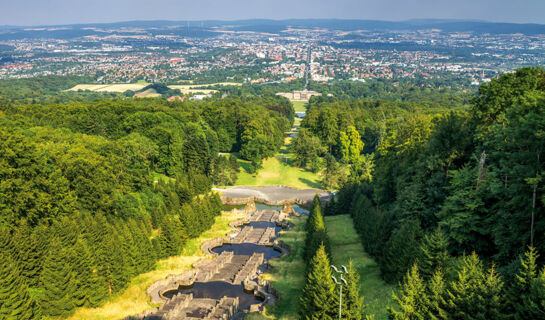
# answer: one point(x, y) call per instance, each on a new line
point(276, 26)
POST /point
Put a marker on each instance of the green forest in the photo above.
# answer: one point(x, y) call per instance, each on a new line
point(94, 192)
point(448, 199)
point(444, 186)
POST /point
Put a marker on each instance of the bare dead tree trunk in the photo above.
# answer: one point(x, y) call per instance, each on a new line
point(482, 162)
point(533, 216)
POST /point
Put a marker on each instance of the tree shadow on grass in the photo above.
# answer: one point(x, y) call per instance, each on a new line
point(312, 184)
point(246, 167)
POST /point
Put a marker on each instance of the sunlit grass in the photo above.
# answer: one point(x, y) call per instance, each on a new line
point(134, 299)
point(299, 106)
point(346, 245)
point(278, 171)
point(287, 274)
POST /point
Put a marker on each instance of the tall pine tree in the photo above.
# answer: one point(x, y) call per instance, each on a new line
point(476, 295)
point(352, 304)
point(15, 302)
point(317, 300)
point(433, 254)
point(412, 299)
point(58, 282)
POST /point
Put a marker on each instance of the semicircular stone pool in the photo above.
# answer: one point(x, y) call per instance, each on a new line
point(248, 249)
point(219, 289)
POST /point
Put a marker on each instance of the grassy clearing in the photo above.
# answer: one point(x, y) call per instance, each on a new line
point(120, 87)
point(300, 106)
point(149, 93)
point(288, 274)
point(346, 245)
point(278, 170)
point(134, 299)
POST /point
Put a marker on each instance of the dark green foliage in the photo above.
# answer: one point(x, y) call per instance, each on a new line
point(317, 300)
point(477, 294)
point(316, 231)
point(525, 297)
point(433, 254)
point(83, 186)
point(401, 250)
point(15, 302)
point(352, 304)
point(58, 282)
point(413, 299)
point(476, 174)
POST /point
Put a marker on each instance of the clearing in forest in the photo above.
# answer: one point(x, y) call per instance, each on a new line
point(346, 245)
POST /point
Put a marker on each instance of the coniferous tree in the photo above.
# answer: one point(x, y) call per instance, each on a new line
point(433, 254)
point(30, 246)
point(316, 235)
point(476, 295)
point(412, 299)
point(317, 300)
point(436, 288)
point(401, 250)
point(58, 283)
point(90, 287)
point(524, 297)
point(15, 302)
point(534, 306)
point(352, 304)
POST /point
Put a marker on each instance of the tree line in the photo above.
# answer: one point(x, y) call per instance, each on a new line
point(456, 197)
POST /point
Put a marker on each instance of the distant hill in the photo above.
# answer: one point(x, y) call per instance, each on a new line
point(206, 28)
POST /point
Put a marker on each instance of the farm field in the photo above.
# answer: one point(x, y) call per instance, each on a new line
point(134, 299)
point(149, 93)
point(122, 87)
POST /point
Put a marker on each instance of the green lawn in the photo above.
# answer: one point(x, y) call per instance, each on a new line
point(278, 171)
point(300, 106)
point(346, 245)
point(287, 274)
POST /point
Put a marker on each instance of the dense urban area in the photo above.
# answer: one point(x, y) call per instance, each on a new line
point(170, 53)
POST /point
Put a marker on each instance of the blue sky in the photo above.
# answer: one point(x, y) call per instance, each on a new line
point(47, 12)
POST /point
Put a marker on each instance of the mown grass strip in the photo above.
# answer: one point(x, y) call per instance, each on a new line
point(346, 245)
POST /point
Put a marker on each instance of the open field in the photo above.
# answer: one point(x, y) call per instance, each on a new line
point(122, 87)
point(187, 90)
point(149, 93)
point(278, 171)
point(299, 106)
point(288, 273)
point(134, 299)
point(346, 245)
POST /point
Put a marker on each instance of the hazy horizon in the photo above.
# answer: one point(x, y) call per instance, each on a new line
point(63, 12)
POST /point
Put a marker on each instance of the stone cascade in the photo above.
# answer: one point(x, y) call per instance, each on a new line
point(266, 236)
point(250, 268)
point(208, 271)
point(235, 269)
